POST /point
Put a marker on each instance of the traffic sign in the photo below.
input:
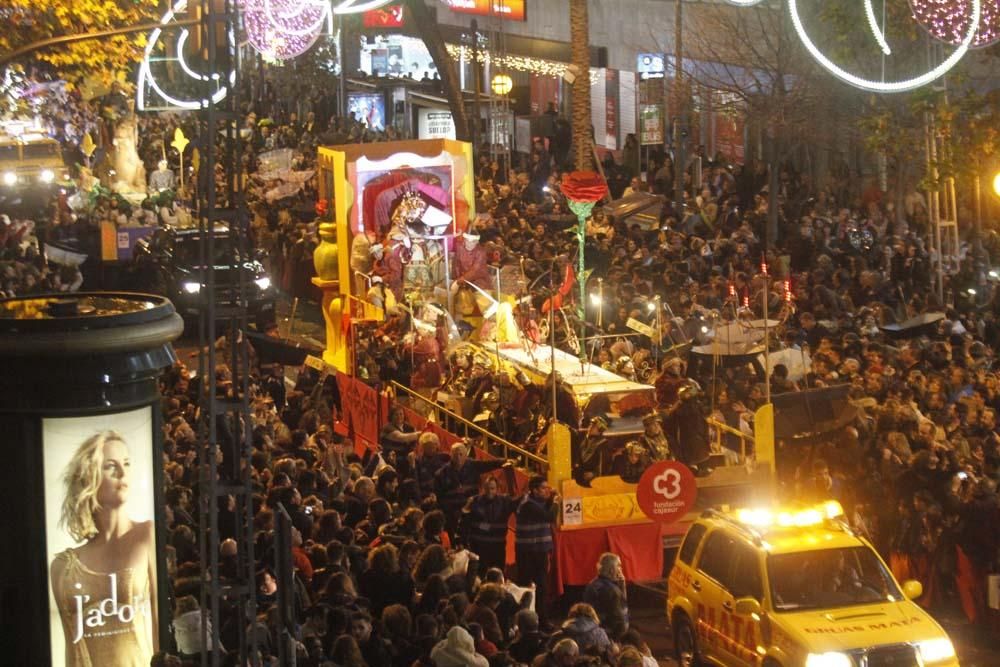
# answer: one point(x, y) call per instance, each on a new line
point(666, 491)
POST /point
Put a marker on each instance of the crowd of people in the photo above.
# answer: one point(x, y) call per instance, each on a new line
point(399, 553)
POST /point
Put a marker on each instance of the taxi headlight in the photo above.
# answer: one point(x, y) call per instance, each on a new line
point(9, 178)
point(191, 288)
point(935, 650)
point(831, 659)
point(263, 283)
point(47, 176)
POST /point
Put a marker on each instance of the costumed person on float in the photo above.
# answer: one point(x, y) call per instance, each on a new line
point(589, 456)
point(162, 179)
point(393, 265)
point(654, 439)
point(471, 264)
point(631, 463)
point(687, 429)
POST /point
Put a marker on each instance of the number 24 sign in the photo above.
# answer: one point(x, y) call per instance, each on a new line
point(667, 491)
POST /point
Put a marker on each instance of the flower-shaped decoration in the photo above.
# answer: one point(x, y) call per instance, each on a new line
point(322, 207)
point(584, 186)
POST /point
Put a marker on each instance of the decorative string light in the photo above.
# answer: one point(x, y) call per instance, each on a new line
point(284, 29)
point(538, 66)
point(146, 77)
point(876, 30)
point(888, 86)
point(947, 20)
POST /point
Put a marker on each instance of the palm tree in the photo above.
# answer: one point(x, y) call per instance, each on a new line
point(579, 29)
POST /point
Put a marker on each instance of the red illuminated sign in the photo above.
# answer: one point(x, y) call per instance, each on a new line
point(390, 16)
point(508, 9)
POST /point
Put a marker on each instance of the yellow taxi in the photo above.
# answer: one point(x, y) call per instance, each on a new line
point(796, 588)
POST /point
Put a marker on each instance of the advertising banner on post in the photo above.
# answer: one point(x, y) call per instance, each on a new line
point(100, 538)
point(651, 124)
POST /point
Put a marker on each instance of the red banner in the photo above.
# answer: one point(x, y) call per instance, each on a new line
point(390, 16)
point(363, 409)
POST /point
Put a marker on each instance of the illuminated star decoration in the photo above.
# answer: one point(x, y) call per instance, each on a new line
point(948, 20)
point(284, 29)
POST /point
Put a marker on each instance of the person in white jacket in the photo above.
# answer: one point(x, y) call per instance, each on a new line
point(457, 650)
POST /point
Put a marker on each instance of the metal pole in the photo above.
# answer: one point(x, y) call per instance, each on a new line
point(600, 303)
point(767, 347)
point(475, 93)
point(552, 350)
point(979, 204)
point(675, 103)
point(343, 66)
point(659, 330)
point(501, 419)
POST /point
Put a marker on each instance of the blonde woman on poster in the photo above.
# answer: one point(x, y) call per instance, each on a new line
point(104, 588)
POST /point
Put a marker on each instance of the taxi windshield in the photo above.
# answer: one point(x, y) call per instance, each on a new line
point(829, 578)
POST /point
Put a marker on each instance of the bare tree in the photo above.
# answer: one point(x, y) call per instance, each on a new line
point(425, 21)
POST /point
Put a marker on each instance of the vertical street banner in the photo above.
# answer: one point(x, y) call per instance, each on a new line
point(598, 109)
point(611, 109)
point(627, 92)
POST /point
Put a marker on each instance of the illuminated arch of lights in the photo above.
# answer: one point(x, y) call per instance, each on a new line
point(954, 21)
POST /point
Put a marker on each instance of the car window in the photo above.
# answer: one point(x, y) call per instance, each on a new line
point(716, 556)
point(829, 578)
point(745, 581)
point(691, 542)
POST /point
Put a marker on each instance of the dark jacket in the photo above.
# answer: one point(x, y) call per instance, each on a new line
point(587, 634)
point(608, 599)
point(383, 590)
point(534, 525)
point(528, 646)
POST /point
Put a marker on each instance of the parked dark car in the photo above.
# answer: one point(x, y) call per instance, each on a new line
point(170, 263)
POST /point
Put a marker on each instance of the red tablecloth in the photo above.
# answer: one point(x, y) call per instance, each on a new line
point(640, 546)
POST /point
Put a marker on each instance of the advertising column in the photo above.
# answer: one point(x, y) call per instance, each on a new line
point(81, 417)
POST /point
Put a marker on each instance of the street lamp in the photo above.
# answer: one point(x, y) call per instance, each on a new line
point(996, 183)
point(502, 84)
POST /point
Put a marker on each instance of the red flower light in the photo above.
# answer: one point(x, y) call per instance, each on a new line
point(584, 186)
